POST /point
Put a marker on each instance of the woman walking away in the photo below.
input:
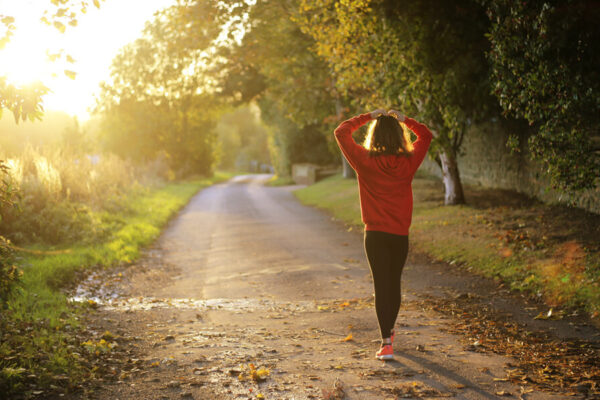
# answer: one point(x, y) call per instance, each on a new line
point(385, 167)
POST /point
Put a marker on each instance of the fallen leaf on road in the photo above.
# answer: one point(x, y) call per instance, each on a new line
point(251, 372)
point(337, 393)
point(348, 338)
point(416, 389)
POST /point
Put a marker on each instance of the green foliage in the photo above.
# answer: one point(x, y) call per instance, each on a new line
point(242, 139)
point(160, 101)
point(426, 58)
point(25, 102)
point(290, 83)
point(55, 223)
point(54, 194)
point(9, 273)
point(289, 143)
point(545, 57)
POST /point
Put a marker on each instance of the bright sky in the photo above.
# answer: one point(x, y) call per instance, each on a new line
point(93, 44)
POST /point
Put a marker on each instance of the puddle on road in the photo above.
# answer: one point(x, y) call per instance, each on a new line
point(152, 303)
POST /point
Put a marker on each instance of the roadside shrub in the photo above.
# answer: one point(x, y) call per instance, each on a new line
point(9, 273)
point(59, 188)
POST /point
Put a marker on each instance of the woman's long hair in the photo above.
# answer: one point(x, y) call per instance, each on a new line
point(386, 135)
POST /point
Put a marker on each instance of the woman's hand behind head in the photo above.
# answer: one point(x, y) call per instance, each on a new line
point(397, 114)
point(377, 113)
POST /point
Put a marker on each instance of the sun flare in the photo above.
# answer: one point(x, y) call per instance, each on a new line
point(87, 49)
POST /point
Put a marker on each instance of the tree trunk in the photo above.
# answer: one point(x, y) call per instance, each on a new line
point(347, 171)
point(451, 178)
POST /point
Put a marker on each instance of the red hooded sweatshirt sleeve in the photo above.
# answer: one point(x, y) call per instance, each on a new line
point(385, 181)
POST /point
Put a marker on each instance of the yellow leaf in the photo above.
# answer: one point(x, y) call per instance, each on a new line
point(262, 373)
point(348, 338)
point(60, 26)
point(97, 3)
point(70, 74)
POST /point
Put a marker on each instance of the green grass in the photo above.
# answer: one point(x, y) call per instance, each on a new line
point(40, 322)
point(280, 181)
point(485, 240)
point(336, 194)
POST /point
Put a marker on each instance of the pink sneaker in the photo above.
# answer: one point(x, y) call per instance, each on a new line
point(386, 352)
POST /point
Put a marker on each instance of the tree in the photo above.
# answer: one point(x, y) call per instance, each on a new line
point(160, 101)
point(242, 139)
point(545, 58)
point(427, 55)
point(275, 65)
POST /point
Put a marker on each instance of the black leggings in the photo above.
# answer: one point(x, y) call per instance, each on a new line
point(386, 253)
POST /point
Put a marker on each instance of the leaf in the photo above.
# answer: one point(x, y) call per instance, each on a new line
point(97, 3)
point(60, 26)
point(348, 338)
point(70, 74)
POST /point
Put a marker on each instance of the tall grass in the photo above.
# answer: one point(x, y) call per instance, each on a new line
point(58, 190)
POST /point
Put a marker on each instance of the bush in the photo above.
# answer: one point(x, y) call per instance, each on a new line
point(544, 57)
point(58, 190)
point(9, 273)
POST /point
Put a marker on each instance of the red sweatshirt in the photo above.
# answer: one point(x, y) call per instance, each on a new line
point(384, 181)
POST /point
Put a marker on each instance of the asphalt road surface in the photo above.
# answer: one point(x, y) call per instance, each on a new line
point(247, 277)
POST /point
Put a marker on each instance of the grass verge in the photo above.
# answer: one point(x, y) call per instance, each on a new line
point(280, 181)
point(549, 252)
point(42, 345)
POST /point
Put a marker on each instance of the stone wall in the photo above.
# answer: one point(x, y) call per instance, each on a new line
point(488, 162)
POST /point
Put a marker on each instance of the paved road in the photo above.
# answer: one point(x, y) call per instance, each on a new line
point(245, 274)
